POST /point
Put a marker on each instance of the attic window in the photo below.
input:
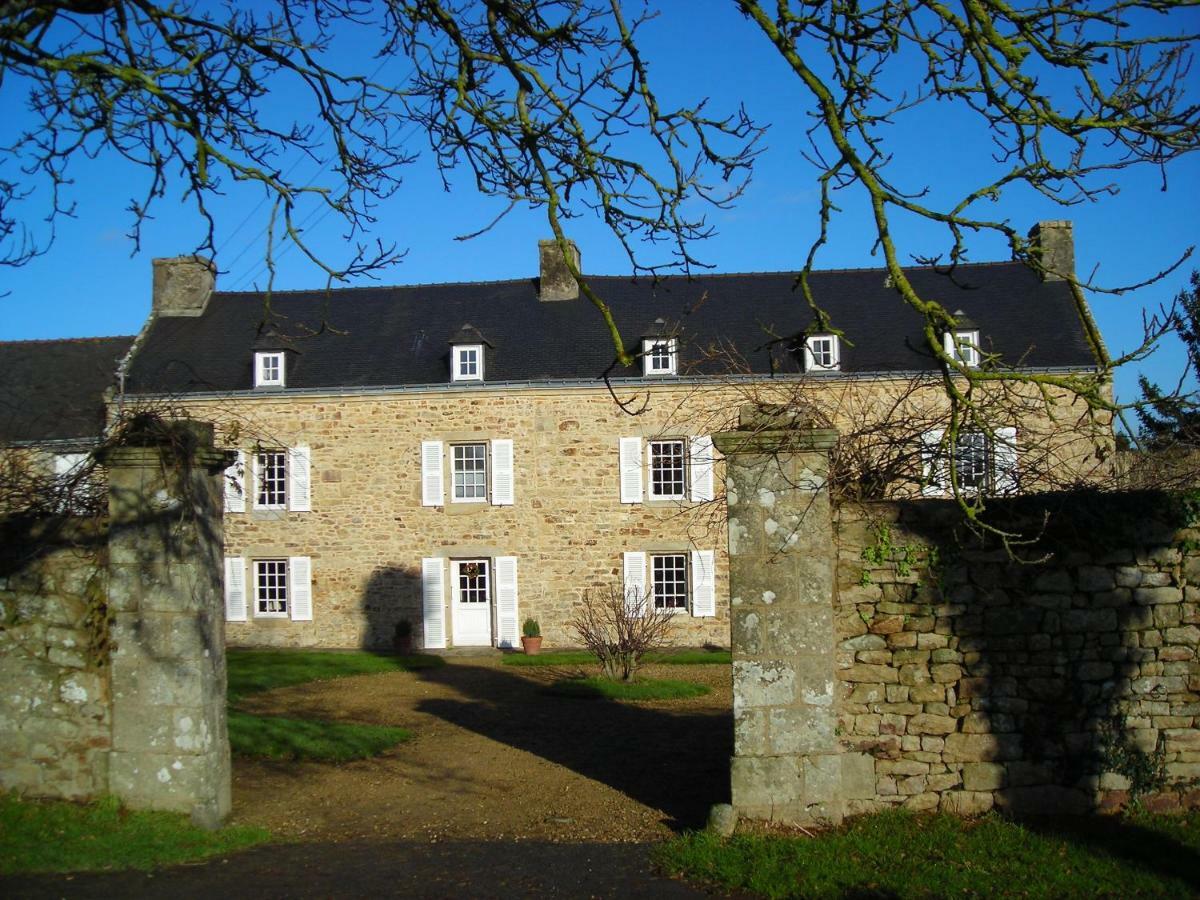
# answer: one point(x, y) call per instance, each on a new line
point(962, 346)
point(466, 362)
point(269, 369)
point(659, 357)
point(822, 353)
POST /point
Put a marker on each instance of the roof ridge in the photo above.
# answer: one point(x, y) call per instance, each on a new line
point(70, 340)
point(648, 278)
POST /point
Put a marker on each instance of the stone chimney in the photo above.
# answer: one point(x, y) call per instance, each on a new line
point(555, 281)
point(182, 285)
point(1053, 245)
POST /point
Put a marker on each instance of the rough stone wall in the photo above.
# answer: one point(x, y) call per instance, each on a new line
point(368, 532)
point(972, 681)
point(55, 713)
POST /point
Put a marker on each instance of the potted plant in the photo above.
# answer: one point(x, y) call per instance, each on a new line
point(531, 637)
point(403, 638)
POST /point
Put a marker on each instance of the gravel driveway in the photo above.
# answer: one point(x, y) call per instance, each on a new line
point(494, 757)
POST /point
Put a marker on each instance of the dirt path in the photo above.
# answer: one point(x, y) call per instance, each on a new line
point(494, 757)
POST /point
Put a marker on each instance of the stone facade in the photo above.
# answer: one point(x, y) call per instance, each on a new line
point(972, 681)
point(367, 531)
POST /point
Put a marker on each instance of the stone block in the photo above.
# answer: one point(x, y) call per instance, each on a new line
point(858, 776)
point(750, 732)
point(1086, 621)
point(984, 776)
point(822, 776)
point(801, 731)
point(1096, 578)
point(867, 673)
point(982, 747)
point(1188, 636)
point(1150, 596)
point(760, 785)
point(766, 683)
point(925, 723)
point(945, 673)
point(746, 632)
point(1046, 799)
point(966, 803)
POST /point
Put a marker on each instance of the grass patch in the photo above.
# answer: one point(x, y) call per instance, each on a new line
point(69, 837)
point(251, 671)
point(898, 854)
point(647, 689)
point(583, 658)
point(276, 737)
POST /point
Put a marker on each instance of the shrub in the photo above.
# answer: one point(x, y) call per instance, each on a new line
point(620, 627)
point(531, 628)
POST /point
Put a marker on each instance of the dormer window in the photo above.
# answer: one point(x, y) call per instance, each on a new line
point(962, 346)
point(466, 362)
point(822, 353)
point(659, 357)
point(269, 369)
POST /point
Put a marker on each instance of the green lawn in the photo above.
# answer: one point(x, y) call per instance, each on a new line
point(68, 837)
point(251, 671)
point(646, 689)
point(897, 854)
point(277, 737)
point(583, 658)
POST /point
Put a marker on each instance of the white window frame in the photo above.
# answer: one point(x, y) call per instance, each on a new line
point(685, 480)
point(263, 376)
point(651, 358)
point(259, 472)
point(974, 443)
point(962, 346)
point(454, 485)
point(1001, 475)
point(460, 356)
point(259, 599)
point(810, 353)
point(685, 587)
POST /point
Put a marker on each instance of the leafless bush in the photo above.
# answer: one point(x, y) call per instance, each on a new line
point(620, 626)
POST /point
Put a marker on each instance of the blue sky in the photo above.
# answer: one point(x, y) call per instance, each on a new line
point(89, 284)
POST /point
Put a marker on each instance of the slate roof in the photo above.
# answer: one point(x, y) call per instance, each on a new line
point(400, 336)
point(54, 390)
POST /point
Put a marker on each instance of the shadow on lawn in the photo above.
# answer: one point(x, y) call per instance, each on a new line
point(675, 762)
point(1123, 839)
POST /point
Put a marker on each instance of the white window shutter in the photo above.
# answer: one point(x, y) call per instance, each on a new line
point(704, 583)
point(635, 583)
point(631, 470)
point(433, 601)
point(502, 473)
point(300, 588)
point(300, 479)
point(506, 603)
point(235, 484)
point(235, 589)
point(934, 470)
point(1004, 461)
point(432, 491)
point(702, 468)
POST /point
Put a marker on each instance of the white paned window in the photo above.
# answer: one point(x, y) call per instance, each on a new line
point(962, 346)
point(269, 370)
point(669, 581)
point(467, 363)
point(271, 480)
point(270, 588)
point(668, 469)
point(981, 462)
point(469, 473)
point(660, 357)
point(971, 461)
point(474, 583)
point(822, 353)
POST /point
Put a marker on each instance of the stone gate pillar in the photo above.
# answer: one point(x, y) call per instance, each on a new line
point(786, 765)
point(170, 745)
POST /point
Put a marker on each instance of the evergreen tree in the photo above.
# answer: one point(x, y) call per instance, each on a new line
point(1170, 419)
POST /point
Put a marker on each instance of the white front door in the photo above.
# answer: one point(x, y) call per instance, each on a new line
point(472, 607)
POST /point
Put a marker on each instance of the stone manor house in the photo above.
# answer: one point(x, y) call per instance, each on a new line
point(454, 456)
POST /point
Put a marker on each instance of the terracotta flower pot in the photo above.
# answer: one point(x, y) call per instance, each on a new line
point(532, 645)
